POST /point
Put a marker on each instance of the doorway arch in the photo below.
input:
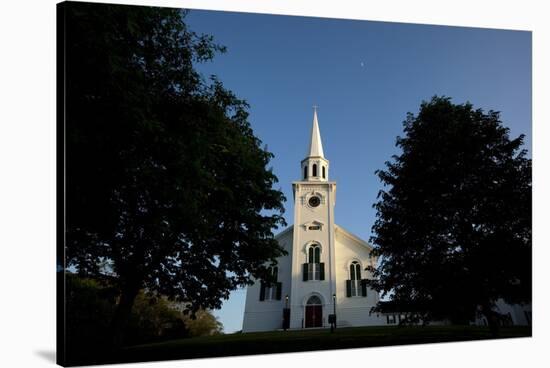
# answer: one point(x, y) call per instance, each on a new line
point(314, 312)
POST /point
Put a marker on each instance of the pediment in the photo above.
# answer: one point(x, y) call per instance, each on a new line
point(313, 225)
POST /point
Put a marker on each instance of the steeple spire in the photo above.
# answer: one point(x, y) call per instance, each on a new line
point(315, 146)
point(315, 165)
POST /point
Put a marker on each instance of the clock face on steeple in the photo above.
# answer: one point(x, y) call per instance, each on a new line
point(314, 201)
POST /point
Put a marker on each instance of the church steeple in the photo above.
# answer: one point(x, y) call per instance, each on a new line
point(315, 146)
point(315, 166)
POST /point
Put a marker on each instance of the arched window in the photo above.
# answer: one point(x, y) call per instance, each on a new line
point(314, 269)
point(314, 170)
point(324, 173)
point(355, 278)
point(314, 300)
point(305, 172)
point(314, 254)
point(355, 271)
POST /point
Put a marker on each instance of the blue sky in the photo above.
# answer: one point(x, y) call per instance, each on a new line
point(365, 77)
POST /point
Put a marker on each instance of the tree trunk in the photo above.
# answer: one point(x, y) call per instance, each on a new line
point(122, 314)
point(492, 320)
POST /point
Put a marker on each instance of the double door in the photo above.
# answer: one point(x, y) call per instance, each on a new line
point(314, 316)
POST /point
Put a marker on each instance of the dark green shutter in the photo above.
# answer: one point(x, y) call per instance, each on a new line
point(348, 288)
point(262, 291)
point(322, 271)
point(364, 287)
point(279, 286)
point(304, 267)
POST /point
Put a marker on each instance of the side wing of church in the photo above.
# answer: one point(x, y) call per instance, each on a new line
point(324, 271)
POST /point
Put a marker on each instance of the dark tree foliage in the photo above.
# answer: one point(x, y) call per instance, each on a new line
point(166, 183)
point(453, 228)
point(90, 307)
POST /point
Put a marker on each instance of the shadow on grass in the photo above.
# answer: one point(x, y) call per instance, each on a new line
point(298, 341)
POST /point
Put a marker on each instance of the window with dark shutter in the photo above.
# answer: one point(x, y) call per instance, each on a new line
point(314, 267)
point(348, 288)
point(270, 288)
point(364, 288)
point(278, 292)
point(355, 279)
point(262, 291)
point(317, 254)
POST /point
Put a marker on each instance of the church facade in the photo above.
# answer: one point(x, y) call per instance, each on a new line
point(323, 273)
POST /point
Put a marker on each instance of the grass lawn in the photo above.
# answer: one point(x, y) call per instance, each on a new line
point(294, 341)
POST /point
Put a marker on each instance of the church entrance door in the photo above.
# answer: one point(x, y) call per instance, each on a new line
point(314, 316)
point(314, 312)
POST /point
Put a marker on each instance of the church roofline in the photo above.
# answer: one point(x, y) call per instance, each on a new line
point(352, 236)
point(284, 231)
point(338, 229)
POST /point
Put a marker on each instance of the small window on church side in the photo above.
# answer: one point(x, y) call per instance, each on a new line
point(271, 287)
point(305, 172)
point(354, 283)
point(315, 227)
point(314, 170)
point(355, 277)
point(324, 173)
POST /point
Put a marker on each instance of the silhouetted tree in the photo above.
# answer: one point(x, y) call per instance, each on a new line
point(166, 183)
point(453, 228)
point(156, 318)
point(91, 305)
point(204, 323)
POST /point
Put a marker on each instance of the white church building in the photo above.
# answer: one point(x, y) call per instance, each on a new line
point(324, 270)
